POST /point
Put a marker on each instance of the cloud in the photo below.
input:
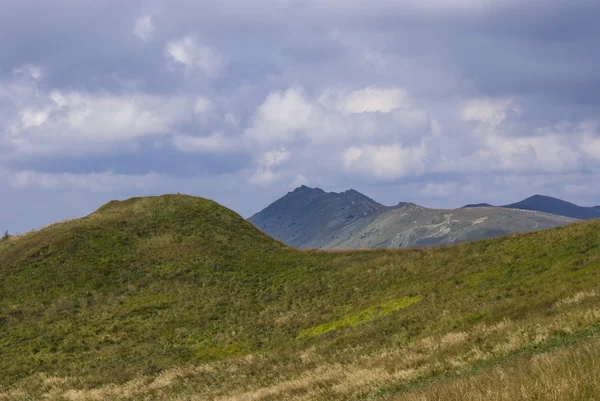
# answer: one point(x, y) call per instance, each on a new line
point(34, 118)
point(484, 91)
point(281, 117)
point(203, 105)
point(194, 56)
point(336, 116)
point(274, 157)
point(488, 111)
point(144, 28)
point(439, 190)
point(33, 71)
point(215, 143)
point(386, 162)
point(371, 99)
point(94, 182)
point(65, 121)
point(264, 175)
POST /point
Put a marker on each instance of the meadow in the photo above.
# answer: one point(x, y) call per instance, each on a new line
point(178, 298)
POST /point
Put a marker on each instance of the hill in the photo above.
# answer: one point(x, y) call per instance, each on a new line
point(556, 206)
point(176, 297)
point(313, 218)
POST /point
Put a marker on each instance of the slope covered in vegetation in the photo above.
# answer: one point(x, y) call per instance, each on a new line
point(176, 297)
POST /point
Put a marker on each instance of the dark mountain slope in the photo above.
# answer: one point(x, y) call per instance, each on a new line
point(556, 206)
point(305, 216)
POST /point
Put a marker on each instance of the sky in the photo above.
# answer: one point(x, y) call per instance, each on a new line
point(436, 102)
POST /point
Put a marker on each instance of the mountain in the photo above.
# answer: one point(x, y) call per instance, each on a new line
point(304, 217)
point(477, 205)
point(556, 206)
point(177, 297)
point(313, 218)
point(414, 225)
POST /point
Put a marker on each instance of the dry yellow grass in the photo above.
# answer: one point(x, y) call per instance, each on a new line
point(570, 374)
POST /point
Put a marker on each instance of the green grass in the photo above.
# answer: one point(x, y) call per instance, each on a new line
point(362, 317)
point(180, 287)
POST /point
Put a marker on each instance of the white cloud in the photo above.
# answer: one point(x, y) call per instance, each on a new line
point(439, 189)
point(488, 111)
point(144, 28)
point(216, 143)
point(281, 117)
point(385, 162)
point(372, 99)
point(94, 182)
point(33, 71)
point(67, 121)
point(195, 56)
point(34, 118)
point(203, 105)
point(336, 116)
point(230, 119)
point(551, 153)
point(298, 181)
point(264, 175)
point(274, 157)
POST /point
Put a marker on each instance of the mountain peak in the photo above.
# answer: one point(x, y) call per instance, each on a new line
point(306, 214)
point(304, 188)
point(544, 197)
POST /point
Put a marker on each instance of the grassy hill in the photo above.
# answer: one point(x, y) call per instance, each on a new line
point(178, 298)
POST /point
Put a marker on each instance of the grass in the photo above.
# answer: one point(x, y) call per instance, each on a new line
point(570, 373)
point(362, 317)
point(178, 298)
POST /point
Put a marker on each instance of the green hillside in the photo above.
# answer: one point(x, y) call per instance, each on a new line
point(178, 298)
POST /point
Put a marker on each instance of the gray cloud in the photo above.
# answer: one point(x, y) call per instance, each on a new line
point(431, 101)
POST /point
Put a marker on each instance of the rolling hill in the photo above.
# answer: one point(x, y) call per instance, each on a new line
point(313, 218)
point(178, 298)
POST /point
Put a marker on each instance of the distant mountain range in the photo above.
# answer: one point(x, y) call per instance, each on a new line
point(477, 205)
point(548, 204)
point(312, 218)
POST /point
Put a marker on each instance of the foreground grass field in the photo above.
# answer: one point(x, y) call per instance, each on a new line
point(178, 298)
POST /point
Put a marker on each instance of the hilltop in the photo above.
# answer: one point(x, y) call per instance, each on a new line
point(176, 297)
point(313, 218)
